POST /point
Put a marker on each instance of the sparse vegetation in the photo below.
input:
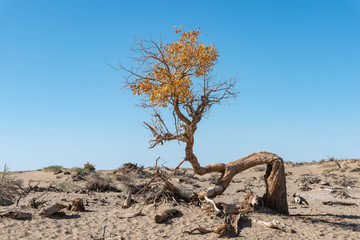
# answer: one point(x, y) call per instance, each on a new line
point(10, 189)
point(66, 186)
point(53, 168)
point(97, 183)
point(81, 171)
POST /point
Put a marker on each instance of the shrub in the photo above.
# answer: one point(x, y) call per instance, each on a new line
point(52, 168)
point(97, 183)
point(10, 189)
point(89, 166)
point(81, 171)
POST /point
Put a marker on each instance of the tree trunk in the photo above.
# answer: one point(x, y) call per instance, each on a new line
point(275, 195)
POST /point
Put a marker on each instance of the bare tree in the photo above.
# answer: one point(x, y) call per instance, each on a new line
point(179, 77)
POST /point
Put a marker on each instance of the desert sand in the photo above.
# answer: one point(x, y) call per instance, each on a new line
point(315, 182)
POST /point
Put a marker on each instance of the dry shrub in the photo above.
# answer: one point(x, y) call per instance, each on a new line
point(10, 189)
point(130, 170)
point(88, 166)
point(100, 184)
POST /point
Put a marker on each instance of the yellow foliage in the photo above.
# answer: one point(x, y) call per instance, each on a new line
point(171, 75)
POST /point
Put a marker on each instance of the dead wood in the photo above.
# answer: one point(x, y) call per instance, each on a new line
point(330, 203)
point(130, 214)
point(166, 215)
point(50, 211)
point(160, 189)
point(16, 215)
point(127, 202)
point(217, 229)
point(77, 205)
point(275, 224)
point(340, 193)
point(275, 195)
point(229, 229)
point(299, 199)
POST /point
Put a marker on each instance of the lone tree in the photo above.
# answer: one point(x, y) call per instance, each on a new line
point(179, 77)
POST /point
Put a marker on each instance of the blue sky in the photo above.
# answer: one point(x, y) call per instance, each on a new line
point(298, 64)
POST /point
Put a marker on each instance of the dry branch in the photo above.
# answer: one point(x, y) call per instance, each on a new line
point(338, 203)
point(130, 214)
point(16, 215)
point(229, 229)
point(166, 215)
point(275, 224)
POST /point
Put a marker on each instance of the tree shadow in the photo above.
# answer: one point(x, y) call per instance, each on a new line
point(322, 218)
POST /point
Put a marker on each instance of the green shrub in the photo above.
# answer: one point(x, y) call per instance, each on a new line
point(53, 168)
point(81, 171)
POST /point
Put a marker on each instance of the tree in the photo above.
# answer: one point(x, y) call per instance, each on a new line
point(178, 76)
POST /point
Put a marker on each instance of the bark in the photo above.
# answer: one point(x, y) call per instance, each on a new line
point(275, 195)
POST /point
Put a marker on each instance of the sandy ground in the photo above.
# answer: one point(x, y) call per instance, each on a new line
point(100, 220)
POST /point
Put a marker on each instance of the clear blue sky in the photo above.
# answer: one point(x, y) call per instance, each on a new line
point(298, 64)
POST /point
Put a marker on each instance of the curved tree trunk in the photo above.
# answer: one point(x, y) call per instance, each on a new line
point(275, 195)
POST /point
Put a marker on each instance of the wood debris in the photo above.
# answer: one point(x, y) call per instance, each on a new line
point(274, 224)
point(127, 202)
point(229, 229)
point(77, 205)
point(16, 215)
point(330, 203)
point(130, 214)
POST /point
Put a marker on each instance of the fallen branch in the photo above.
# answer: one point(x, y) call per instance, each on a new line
point(216, 229)
point(130, 214)
point(50, 211)
point(16, 215)
point(229, 229)
point(274, 224)
point(338, 203)
point(165, 215)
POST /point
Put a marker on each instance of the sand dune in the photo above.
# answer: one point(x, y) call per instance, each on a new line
point(319, 182)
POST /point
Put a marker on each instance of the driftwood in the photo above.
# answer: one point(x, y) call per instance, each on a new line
point(50, 211)
point(165, 215)
point(130, 214)
point(338, 203)
point(16, 215)
point(127, 202)
point(275, 224)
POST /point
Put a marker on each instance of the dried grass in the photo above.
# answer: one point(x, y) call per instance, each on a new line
point(10, 189)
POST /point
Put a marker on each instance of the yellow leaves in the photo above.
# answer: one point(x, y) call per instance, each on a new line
point(171, 78)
